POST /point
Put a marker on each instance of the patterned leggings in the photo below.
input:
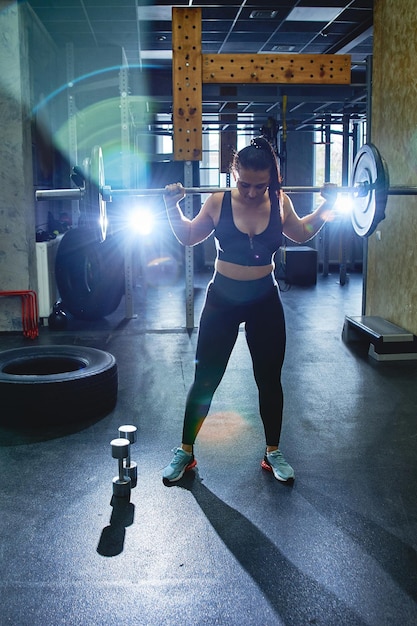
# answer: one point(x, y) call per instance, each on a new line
point(228, 303)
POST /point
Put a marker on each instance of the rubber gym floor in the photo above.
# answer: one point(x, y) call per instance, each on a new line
point(228, 544)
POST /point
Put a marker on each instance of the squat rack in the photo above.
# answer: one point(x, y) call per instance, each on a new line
point(191, 69)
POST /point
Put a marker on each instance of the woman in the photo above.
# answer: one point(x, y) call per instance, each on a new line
point(248, 222)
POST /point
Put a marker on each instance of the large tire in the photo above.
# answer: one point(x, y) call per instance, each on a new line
point(89, 274)
point(56, 384)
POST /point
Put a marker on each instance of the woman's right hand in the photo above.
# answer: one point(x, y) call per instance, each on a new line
point(174, 193)
point(329, 192)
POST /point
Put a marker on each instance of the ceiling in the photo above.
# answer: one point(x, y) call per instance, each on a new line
point(142, 29)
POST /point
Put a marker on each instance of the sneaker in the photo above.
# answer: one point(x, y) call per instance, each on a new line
point(181, 462)
point(274, 462)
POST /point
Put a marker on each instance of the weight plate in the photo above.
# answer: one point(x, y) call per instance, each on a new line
point(89, 273)
point(93, 206)
point(369, 209)
point(98, 180)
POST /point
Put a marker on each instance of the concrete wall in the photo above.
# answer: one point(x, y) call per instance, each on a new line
point(392, 261)
point(17, 215)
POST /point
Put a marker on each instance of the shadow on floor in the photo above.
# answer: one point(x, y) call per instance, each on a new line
point(23, 435)
point(301, 600)
point(112, 538)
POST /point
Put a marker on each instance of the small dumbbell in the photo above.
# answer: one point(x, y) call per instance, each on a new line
point(131, 469)
point(121, 483)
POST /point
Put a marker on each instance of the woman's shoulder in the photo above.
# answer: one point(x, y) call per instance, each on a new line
point(216, 199)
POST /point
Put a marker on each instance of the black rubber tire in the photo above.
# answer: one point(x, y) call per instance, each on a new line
point(56, 384)
point(89, 274)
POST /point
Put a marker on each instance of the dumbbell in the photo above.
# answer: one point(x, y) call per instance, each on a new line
point(121, 483)
point(130, 467)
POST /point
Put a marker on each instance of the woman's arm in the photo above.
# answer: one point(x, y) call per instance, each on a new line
point(188, 232)
point(301, 229)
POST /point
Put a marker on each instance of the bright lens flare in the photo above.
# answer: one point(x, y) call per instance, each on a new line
point(344, 204)
point(141, 221)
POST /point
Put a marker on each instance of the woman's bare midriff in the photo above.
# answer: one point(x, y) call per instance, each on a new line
point(242, 272)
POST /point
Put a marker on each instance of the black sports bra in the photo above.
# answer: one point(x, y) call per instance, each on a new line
point(237, 247)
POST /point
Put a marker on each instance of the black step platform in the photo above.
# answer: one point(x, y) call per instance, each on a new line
point(388, 342)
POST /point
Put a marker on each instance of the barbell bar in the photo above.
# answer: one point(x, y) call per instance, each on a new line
point(369, 188)
point(108, 193)
point(360, 189)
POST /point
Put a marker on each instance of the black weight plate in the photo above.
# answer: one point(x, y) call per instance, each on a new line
point(93, 206)
point(89, 274)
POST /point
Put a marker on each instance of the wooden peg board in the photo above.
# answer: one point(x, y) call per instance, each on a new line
point(277, 68)
point(187, 83)
point(191, 69)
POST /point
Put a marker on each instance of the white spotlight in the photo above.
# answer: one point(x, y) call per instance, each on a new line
point(344, 204)
point(141, 221)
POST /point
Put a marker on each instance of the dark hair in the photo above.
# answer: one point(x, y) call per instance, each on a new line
point(260, 155)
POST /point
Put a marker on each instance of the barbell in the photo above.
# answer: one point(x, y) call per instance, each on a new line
point(369, 189)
